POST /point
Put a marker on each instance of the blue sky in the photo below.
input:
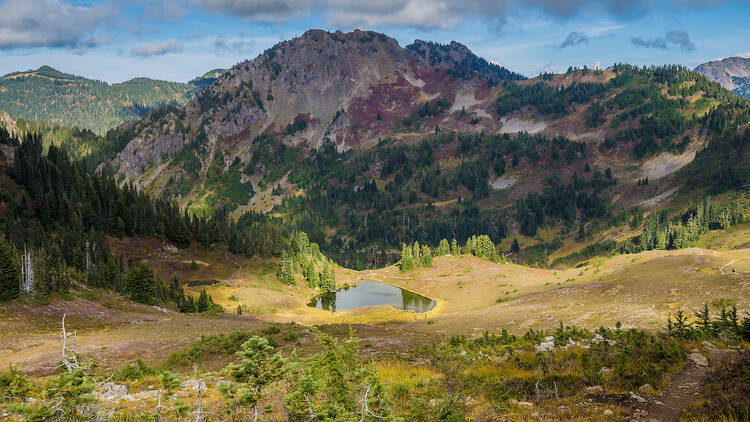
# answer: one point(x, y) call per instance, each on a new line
point(180, 39)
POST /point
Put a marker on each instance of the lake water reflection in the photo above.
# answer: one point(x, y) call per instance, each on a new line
point(372, 293)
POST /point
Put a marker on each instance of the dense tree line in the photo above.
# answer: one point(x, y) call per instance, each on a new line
point(58, 216)
point(577, 200)
point(546, 99)
point(382, 197)
point(416, 256)
point(46, 94)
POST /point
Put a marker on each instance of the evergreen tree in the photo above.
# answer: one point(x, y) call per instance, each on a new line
point(425, 256)
point(327, 278)
point(258, 368)
point(454, 248)
point(443, 248)
point(286, 270)
point(10, 275)
point(416, 254)
point(141, 285)
point(407, 259)
point(661, 240)
point(515, 247)
point(203, 304)
point(309, 273)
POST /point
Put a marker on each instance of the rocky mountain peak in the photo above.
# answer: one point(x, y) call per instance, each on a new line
point(732, 73)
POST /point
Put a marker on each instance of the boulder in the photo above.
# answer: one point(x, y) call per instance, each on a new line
point(525, 404)
point(637, 398)
point(608, 413)
point(595, 389)
point(698, 359)
point(111, 391)
point(707, 344)
point(646, 389)
point(547, 345)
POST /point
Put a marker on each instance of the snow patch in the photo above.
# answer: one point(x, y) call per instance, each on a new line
point(514, 125)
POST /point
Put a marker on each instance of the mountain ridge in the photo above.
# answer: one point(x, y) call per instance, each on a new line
point(733, 73)
point(70, 100)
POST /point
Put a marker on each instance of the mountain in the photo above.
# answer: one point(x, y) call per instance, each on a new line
point(352, 88)
point(364, 144)
point(69, 100)
point(732, 73)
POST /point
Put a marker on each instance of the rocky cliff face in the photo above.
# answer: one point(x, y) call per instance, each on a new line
point(732, 73)
point(350, 88)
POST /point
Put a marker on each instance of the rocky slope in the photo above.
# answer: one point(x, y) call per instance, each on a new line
point(352, 88)
point(355, 122)
point(732, 73)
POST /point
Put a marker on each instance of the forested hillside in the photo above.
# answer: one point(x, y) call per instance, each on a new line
point(73, 101)
point(57, 216)
point(548, 161)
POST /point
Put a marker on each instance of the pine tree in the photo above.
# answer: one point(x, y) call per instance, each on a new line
point(309, 273)
point(407, 259)
point(454, 248)
point(203, 305)
point(286, 270)
point(327, 278)
point(469, 248)
point(141, 285)
point(515, 247)
point(444, 248)
point(10, 276)
point(416, 253)
point(257, 369)
point(426, 256)
point(661, 240)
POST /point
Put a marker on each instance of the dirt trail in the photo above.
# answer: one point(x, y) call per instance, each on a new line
point(685, 388)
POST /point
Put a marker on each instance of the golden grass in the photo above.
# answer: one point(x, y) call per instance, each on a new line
point(404, 373)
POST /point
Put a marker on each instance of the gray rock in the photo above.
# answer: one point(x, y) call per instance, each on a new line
point(525, 404)
point(547, 345)
point(637, 398)
point(111, 391)
point(645, 388)
point(596, 389)
point(707, 344)
point(698, 359)
point(608, 413)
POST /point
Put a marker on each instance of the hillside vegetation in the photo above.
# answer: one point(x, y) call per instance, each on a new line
point(73, 101)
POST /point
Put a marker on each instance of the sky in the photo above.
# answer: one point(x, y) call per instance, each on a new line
point(178, 40)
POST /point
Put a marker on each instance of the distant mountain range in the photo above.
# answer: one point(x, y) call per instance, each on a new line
point(69, 100)
point(732, 73)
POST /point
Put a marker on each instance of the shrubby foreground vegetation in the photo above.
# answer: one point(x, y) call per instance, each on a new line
point(564, 373)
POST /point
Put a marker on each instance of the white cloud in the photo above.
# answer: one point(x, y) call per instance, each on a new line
point(258, 10)
point(51, 23)
point(156, 48)
point(429, 14)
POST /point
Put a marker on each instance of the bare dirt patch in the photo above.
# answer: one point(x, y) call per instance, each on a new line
point(513, 125)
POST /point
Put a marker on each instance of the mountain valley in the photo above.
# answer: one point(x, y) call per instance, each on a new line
point(583, 236)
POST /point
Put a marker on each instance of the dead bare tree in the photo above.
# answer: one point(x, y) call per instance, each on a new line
point(200, 388)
